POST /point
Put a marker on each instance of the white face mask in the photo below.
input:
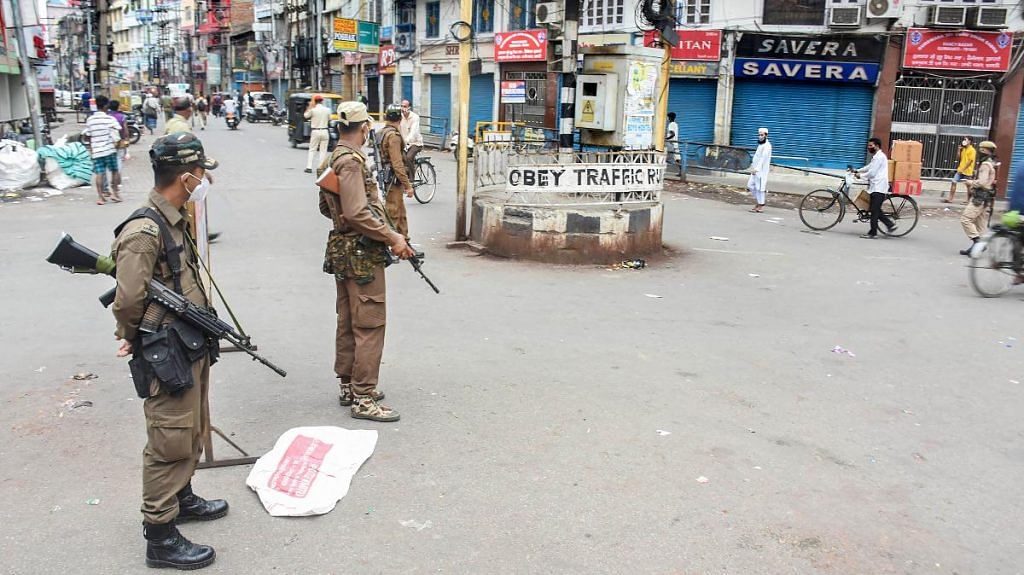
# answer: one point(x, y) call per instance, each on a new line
point(198, 193)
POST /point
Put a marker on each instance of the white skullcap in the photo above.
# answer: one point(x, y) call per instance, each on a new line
point(765, 130)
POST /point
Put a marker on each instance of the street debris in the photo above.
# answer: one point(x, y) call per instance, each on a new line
point(637, 264)
point(651, 295)
point(662, 432)
point(754, 275)
point(1015, 382)
point(416, 524)
point(78, 404)
point(812, 232)
point(94, 501)
point(719, 238)
point(1009, 342)
point(702, 479)
point(84, 376)
point(41, 369)
point(843, 351)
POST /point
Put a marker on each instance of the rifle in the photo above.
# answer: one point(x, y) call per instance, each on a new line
point(378, 164)
point(71, 256)
point(416, 260)
point(417, 264)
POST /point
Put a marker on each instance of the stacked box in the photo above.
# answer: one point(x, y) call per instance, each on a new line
point(905, 167)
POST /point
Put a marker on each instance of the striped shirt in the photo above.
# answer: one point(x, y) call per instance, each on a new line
point(103, 132)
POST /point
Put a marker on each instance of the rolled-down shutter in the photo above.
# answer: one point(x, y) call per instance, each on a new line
point(694, 102)
point(813, 125)
point(481, 100)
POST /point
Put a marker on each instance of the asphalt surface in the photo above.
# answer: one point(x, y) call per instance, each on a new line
point(688, 418)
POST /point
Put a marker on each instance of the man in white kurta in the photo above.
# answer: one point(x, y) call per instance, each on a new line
point(758, 182)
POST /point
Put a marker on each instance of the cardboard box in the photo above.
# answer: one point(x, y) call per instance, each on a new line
point(907, 171)
point(906, 151)
point(906, 187)
point(862, 199)
point(892, 170)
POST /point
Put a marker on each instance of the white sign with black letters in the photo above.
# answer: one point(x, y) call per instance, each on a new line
point(585, 178)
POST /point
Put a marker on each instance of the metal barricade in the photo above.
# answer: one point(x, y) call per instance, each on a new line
point(434, 131)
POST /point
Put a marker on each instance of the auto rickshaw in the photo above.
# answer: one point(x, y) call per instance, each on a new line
point(298, 126)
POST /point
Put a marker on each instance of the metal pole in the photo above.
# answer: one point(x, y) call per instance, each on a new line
point(89, 49)
point(567, 125)
point(465, 47)
point(31, 90)
point(661, 114)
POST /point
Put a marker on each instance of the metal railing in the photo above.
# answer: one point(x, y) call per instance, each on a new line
point(435, 131)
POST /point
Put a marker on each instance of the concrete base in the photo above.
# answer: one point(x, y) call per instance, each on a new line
point(567, 234)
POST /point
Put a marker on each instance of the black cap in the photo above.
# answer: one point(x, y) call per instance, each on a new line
point(180, 149)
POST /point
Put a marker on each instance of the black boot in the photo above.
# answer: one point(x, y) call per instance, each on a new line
point(967, 252)
point(193, 507)
point(166, 547)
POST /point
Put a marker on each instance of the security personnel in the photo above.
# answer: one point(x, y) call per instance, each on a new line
point(155, 243)
point(356, 256)
point(974, 218)
point(182, 119)
point(392, 149)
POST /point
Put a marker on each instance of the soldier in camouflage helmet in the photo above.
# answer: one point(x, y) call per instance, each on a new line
point(356, 255)
point(155, 243)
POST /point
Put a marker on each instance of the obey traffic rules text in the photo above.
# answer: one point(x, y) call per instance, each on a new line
point(585, 178)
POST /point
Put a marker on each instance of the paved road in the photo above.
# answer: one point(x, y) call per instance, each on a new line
point(532, 398)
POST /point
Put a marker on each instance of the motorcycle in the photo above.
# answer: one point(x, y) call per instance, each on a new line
point(453, 145)
point(231, 118)
point(135, 124)
point(278, 117)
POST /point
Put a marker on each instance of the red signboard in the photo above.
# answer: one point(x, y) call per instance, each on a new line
point(386, 59)
point(705, 45)
point(521, 46)
point(958, 50)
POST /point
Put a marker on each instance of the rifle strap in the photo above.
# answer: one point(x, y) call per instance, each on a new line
point(216, 288)
point(172, 251)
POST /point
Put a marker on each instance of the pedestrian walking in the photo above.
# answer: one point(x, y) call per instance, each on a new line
point(103, 132)
point(356, 255)
point(672, 139)
point(981, 191)
point(966, 158)
point(877, 174)
point(122, 142)
point(319, 117)
point(155, 242)
point(361, 98)
point(201, 106)
point(759, 167)
point(167, 105)
point(396, 178)
point(181, 121)
point(150, 111)
point(411, 135)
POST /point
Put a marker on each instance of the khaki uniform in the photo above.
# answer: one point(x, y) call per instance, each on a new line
point(392, 150)
point(177, 124)
point(175, 425)
point(361, 307)
point(974, 218)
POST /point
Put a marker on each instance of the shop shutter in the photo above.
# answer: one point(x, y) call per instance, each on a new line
point(481, 100)
point(440, 103)
point(1018, 151)
point(813, 125)
point(389, 90)
point(407, 91)
point(694, 102)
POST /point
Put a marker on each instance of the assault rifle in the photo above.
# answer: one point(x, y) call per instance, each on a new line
point(71, 256)
point(416, 260)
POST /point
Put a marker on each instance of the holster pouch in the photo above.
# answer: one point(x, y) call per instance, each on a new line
point(170, 354)
point(141, 371)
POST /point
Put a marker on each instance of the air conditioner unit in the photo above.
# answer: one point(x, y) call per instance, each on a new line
point(987, 17)
point(549, 13)
point(947, 16)
point(404, 43)
point(844, 17)
point(885, 8)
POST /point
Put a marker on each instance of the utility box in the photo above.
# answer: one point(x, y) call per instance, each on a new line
point(617, 96)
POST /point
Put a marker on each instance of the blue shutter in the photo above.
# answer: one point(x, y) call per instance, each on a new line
point(481, 100)
point(1018, 151)
point(440, 103)
point(407, 91)
point(828, 124)
point(694, 101)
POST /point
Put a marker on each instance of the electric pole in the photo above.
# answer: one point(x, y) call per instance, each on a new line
point(27, 79)
point(567, 125)
point(465, 48)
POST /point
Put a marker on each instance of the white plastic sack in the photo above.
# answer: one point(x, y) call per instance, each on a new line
point(57, 178)
point(309, 469)
point(19, 166)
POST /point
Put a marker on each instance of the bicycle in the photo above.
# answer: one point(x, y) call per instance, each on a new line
point(822, 209)
point(424, 181)
point(997, 261)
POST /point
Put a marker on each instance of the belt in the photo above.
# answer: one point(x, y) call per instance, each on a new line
point(319, 128)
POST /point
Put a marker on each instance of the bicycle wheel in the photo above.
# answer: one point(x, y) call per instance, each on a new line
point(904, 213)
point(426, 182)
point(822, 209)
point(995, 265)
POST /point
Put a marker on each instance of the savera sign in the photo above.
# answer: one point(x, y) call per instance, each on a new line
point(958, 50)
point(521, 46)
point(831, 58)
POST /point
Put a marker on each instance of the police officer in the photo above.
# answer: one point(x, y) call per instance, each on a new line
point(974, 218)
point(356, 256)
point(155, 243)
point(392, 149)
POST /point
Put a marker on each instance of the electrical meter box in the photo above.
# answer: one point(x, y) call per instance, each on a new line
point(617, 96)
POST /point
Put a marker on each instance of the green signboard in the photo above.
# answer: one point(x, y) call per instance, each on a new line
point(369, 37)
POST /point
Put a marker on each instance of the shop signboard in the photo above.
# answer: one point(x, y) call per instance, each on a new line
point(968, 50)
point(387, 59)
point(346, 35)
point(513, 92)
point(827, 58)
point(369, 37)
point(521, 46)
point(703, 45)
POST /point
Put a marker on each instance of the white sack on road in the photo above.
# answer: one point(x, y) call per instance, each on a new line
point(309, 469)
point(19, 166)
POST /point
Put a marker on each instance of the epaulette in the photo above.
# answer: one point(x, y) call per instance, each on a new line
point(151, 229)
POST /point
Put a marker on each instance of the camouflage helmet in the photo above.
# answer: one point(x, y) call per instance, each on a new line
point(180, 149)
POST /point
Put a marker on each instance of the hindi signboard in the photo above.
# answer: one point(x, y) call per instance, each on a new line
point(346, 35)
point(521, 46)
point(957, 50)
